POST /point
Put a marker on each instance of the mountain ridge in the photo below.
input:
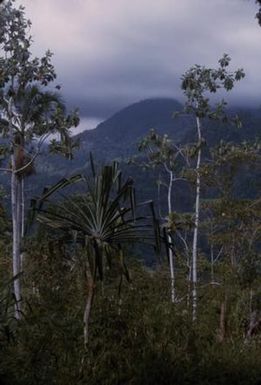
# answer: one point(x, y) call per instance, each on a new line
point(118, 137)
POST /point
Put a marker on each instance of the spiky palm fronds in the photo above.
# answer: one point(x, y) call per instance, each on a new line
point(103, 218)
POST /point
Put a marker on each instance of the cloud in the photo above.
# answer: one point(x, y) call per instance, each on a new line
point(86, 124)
point(111, 53)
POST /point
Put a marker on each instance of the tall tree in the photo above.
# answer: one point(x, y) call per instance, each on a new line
point(28, 112)
point(101, 220)
point(197, 84)
point(163, 154)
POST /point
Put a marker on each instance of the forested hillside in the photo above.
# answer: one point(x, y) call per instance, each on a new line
point(129, 254)
point(118, 138)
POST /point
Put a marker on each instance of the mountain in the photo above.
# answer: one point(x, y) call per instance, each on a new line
point(118, 136)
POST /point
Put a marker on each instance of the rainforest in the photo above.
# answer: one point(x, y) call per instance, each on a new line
point(130, 253)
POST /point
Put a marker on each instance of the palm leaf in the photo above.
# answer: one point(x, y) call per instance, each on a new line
point(104, 217)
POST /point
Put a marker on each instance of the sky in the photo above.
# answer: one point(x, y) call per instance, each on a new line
point(111, 53)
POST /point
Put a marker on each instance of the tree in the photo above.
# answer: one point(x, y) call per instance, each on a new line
point(197, 84)
point(162, 153)
point(258, 14)
point(234, 221)
point(28, 113)
point(101, 220)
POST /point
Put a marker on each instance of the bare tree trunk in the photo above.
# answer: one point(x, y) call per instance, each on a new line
point(188, 282)
point(22, 217)
point(88, 303)
point(188, 256)
point(254, 319)
point(171, 253)
point(254, 324)
point(172, 272)
point(212, 262)
point(15, 207)
point(232, 253)
point(16, 240)
point(222, 321)
point(196, 224)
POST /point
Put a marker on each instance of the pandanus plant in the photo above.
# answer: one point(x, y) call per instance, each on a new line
point(101, 219)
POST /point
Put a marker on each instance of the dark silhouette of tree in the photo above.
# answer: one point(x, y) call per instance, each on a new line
point(258, 14)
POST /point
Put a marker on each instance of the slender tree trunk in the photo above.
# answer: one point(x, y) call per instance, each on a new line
point(254, 324)
point(172, 272)
point(212, 262)
point(16, 223)
point(21, 192)
point(188, 256)
point(254, 319)
point(88, 303)
point(87, 312)
point(171, 254)
point(232, 252)
point(22, 217)
point(196, 224)
point(16, 240)
point(189, 285)
point(222, 321)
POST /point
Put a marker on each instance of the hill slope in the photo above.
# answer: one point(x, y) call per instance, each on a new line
point(118, 136)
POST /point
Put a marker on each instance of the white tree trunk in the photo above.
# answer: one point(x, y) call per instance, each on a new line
point(196, 224)
point(22, 218)
point(171, 254)
point(16, 235)
point(16, 221)
point(172, 272)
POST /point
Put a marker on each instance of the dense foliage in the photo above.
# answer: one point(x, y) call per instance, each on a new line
point(143, 339)
point(90, 311)
point(137, 336)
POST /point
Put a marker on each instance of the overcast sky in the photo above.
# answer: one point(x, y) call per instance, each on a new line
point(110, 53)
